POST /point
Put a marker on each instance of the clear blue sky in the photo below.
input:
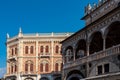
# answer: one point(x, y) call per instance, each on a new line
point(39, 16)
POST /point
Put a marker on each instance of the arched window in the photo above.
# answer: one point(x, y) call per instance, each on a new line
point(15, 50)
point(46, 67)
point(26, 67)
point(41, 67)
point(47, 49)
point(12, 52)
point(41, 49)
point(31, 67)
point(57, 49)
point(31, 49)
point(26, 49)
point(15, 68)
point(56, 67)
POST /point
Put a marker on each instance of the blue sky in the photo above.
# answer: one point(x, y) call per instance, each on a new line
point(39, 16)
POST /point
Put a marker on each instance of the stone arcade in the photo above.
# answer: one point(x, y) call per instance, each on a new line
point(93, 53)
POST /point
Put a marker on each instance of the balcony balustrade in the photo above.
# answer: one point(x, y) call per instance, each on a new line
point(44, 55)
point(95, 56)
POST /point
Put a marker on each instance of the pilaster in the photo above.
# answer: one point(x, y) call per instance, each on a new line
point(36, 56)
point(52, 53)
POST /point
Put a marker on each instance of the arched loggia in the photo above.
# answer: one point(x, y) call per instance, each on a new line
point(96, 43)
point(81, 49)
point(69, 54)
point(113, 34)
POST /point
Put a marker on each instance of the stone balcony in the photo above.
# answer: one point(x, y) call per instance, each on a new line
point(97, 55)
point(12, 58)
point(11, 74)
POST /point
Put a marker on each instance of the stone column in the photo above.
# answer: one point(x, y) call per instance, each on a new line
point(88, 48)
point(87, 63)
point(74, 53)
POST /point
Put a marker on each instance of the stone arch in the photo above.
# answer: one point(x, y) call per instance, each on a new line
point(44, 78)
point(112, 34)
point(74, 75)
point(69, 53)
point(96, 42)
point(80, 49)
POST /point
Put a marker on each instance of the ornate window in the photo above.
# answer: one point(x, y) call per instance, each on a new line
point(46, 67)
point(26, 49)
point(56, 67)
point(31, 49)
point(41, 49)
point(29, 66)
point(57, 49)
point(47, 49)
point(41, 67)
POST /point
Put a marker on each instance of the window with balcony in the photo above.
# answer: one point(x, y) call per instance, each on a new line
point(57, 49)
point(26, 49)
point(47, 49)
point(31, 49)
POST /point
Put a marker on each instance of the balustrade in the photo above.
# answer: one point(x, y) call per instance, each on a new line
point(95, 56)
